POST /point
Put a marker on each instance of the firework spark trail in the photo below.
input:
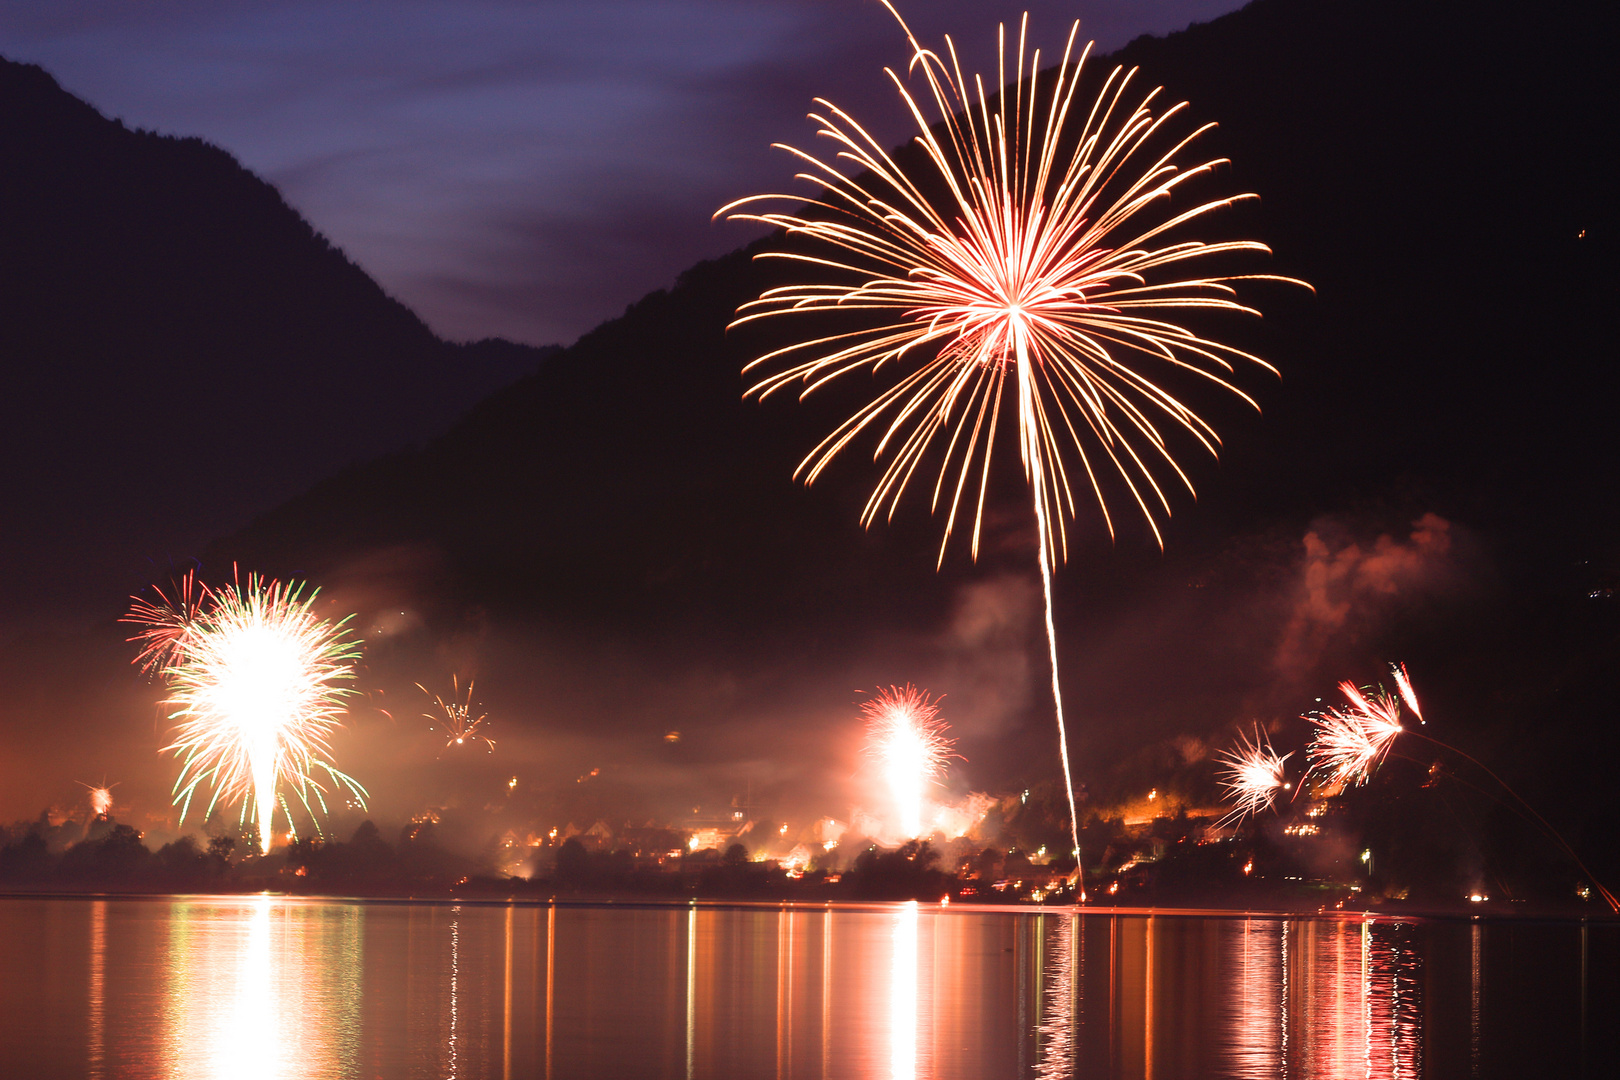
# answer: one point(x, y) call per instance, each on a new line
point(1024, 265)
point(460, 725)
point(1253, 775)
point(905, 734)
point(256, 684)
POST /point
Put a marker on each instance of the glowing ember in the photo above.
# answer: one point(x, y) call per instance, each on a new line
point(1025, 265)
point(905, 734)
point(255, 680)
point(455, 718)
point(1252, 775)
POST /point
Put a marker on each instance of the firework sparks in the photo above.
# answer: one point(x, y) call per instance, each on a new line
point(100, 796)
point(455, 719)
point(167, 620)
point(256, 684)
point(1252, 775)
point(1352, 739)
point(905, 734)
point(1026, 263)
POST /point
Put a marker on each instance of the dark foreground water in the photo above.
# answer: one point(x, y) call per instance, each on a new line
point(248, 987)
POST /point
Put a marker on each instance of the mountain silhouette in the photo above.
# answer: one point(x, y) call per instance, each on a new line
point(1441, 172)
point(181, 349)
point(1433, 172)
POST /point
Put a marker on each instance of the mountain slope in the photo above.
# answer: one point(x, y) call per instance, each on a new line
point(165, 317)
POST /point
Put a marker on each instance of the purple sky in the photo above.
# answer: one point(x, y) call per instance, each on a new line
point(520, 169)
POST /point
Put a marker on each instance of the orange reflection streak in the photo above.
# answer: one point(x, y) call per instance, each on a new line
point(98, 991)
point(903, 996)
point(506, 1022)
point(1147, 1003)
point(551, 978)
point(826, 989)
point(1255, 1014)
point(691, 992)
point(1476, 938)
point(784, 992)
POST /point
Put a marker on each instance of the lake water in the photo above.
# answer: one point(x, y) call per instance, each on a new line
point(249, 987)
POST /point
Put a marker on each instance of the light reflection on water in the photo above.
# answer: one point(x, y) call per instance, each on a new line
point(249, 987)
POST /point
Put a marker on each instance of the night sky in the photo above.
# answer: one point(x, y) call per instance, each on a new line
point(523, 169)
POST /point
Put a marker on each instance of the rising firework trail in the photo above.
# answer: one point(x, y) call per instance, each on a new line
point(1026, 260)
point(455, 719)
point(256, 681)
point(905, 734)
point(1252, 774)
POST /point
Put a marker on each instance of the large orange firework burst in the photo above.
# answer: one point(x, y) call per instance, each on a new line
point(1029, 264)
point(905, 734)
point(256, 681)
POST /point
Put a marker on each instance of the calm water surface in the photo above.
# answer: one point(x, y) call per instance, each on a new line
point(249, 987)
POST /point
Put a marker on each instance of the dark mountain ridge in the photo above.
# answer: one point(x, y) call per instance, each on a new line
point(1382, 139)
point(165, 318)
point(1439, 172)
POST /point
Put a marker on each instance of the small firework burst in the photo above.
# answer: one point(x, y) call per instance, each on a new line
point(167, 620)
point(256, 681)
point(454, 718)
point(100, 796)
point(1252, 775)
point(905, 734)
point(1352, 739)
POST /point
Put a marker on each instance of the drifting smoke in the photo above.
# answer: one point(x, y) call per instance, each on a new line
point(986, 654)
point(1343, 587)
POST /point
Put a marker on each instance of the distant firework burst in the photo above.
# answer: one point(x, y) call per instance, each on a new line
point(167, 620)
point(100, 797)
point(1252, 774)
point(905, 734)
point(256, 681)
point(454, 719)
point(1352, 739)
point(1018, 273)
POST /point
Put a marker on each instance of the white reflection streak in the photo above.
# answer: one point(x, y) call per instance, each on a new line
point(1057, 1028)
point(244, 1045)
point(455, 977)
point(903, 996)
point(1282, 996)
